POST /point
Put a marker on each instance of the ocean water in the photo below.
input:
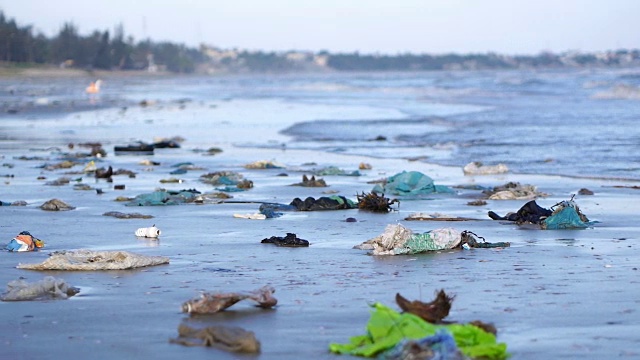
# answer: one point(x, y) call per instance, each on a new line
point(564, 122)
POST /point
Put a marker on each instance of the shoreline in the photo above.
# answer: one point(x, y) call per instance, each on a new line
point(539, 292)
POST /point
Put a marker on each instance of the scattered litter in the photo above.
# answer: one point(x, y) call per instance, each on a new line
point(585, 191)
point(334, 202)
point(165, 197)
point(412, 183)
point(90, 167)
point(166, 144)
point(274, 210)
point(66, 164)
point(313, 182)
point(397, 240)
point(477, 168)
point(24, 242)
point(435, 217)
point(364, 166)
point(83, 187)
point(530, 212)
point(222, 178)
point(232, 339)
point(95, 260)
point(59, 182)
point(148, 162)
point(477, 203)
point(150, 232)
point(209, 152)
point(137, 148)
point(234, 181)
point(178, 172)
point(264, 164)
point(563, 215)
point(256, 216)
point(566, 215)
point(56, 205)
point(440, 345)
point(375, 203)
point(335, 171)
point(245, 184)
point(171, 180)
point(209, 303)
point(15, 203)
point(433, 312)
point(121, 215)
point(388, 328)
point(514, 191)
point(103, 173)
point(290, 240)
point(119, 198)
point(45, 289)
point(332, 170)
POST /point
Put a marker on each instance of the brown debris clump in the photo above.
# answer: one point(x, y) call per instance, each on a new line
point(56, 205)
point(374, 202)
point(209, 303)
point(432, 312)
point(435, 311)
point(313, 182)
point(225, 338)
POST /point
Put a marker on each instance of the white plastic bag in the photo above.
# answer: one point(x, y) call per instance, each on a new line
point(150, 232)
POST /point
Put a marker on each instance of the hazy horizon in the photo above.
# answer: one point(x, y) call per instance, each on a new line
point(406, 26)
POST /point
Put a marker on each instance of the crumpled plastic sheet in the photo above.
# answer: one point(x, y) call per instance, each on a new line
point(95, 260)
point(440, 346)
point(411, 183)
point(478, 168)
point(397, 239)
point(45, 289)
point(514, 191)
point(231, 339)
point(566, 216)
point(162, 197)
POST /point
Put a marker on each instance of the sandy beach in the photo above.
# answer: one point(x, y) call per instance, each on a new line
point(554, 294)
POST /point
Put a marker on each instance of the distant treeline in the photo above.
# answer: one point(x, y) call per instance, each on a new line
point(103, 50)
point(100, 50)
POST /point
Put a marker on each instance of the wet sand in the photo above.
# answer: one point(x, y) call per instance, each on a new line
point(552, 294)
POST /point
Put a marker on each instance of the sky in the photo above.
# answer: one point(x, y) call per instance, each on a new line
point(346, 26)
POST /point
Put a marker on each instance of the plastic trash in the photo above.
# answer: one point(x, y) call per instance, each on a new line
point(150, 232)
point(386, 328)
point(478, 168)
point(256, 216)
point(209, 303)
point(24, 242)
point(233, 339)
point(412, 183)
point(47, 288)
point(83, 260)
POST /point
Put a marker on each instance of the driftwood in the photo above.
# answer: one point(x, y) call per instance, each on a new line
point(209, 303)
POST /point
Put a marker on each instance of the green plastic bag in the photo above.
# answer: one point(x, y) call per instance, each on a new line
point(387, 327)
